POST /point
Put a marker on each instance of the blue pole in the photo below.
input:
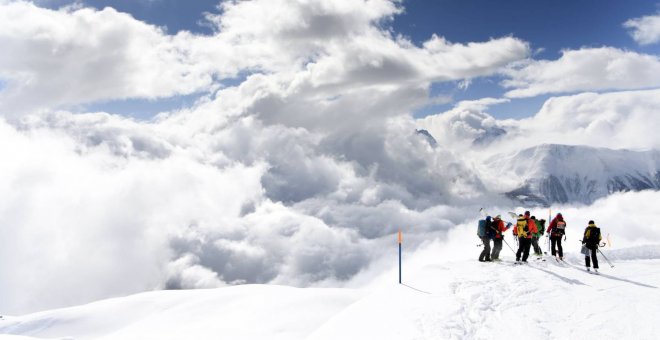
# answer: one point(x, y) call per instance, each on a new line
point(399, 262)
point(400, 240)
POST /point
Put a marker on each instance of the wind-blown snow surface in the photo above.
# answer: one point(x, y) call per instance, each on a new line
point(443, 299)
point(447, 295)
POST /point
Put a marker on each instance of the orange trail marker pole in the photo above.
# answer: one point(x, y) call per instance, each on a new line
point(400, 240)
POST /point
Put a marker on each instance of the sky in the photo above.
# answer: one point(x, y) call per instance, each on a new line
point(548, 26)
point(276, 141)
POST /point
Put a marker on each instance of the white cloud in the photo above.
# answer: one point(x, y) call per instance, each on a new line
point(465, 124)
point(79, 218)
point(645, 30)
point(231, 200)
point(615, 120)
point(82, 55)
point(586, 69)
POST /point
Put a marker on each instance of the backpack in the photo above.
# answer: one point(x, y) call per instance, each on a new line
point(540, 224)
point(522, 227)
point(481, 228)
point(491, 230)
point(559, 228)
point(594, 236)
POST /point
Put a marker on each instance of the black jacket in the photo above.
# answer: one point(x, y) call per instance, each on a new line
point(591, 236)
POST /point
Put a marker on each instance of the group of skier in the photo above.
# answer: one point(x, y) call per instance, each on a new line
point(528, 230)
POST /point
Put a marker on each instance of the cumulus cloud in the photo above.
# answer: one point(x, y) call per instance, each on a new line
point(465, 125)
point(174, 204)
point(645, 30)
point(81, 55)
point(76, 220)
point(586, 69)
point(615, 120)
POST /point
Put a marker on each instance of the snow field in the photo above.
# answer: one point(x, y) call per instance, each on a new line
point(446, 294)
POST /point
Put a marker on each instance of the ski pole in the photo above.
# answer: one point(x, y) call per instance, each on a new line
point(507, 244)
point(605, 257)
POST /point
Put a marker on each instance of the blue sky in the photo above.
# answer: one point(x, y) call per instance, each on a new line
point(549, 26)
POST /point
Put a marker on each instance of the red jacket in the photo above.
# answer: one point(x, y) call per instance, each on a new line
point(554, 221)
point(499, 228)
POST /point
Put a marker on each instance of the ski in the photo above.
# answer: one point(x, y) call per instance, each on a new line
point(561, 262)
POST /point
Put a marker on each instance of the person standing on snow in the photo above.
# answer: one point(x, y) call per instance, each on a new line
point(557, 230)
point(591, 239)
point(498, 226)
point(535, 237)
point(525, 227)
point(485, 238)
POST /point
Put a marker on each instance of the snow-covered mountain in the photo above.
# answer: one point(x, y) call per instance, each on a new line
point(552, 173)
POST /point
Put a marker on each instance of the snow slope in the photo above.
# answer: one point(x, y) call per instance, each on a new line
point(447, 295)
point(241, 312)
point(552, 173)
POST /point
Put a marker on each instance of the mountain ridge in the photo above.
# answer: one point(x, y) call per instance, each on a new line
point(556, 173)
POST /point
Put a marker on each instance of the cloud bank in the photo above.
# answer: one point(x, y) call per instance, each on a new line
point(586, 69)
point(297, 174)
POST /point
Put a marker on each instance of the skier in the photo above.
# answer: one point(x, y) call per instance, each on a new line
point(485, 238)
point(591, 239)
point(498, 226)
point(535, 237)
point(557, 230)
point(525, 227)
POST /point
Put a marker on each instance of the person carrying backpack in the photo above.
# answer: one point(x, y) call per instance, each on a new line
point(525, 227)
point(535, 236)
point(591, 239)
point(498, 226)
point(484, 235)
point(557, 230)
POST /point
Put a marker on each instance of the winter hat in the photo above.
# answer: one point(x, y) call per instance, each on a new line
point(591, 222)
point(498, 217)
point(527, 213)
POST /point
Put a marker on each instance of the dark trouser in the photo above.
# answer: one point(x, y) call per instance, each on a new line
point(497, 247)
point(523, 248)
point(556, 240)
point(535, 244)
point(593, 256)
point(485, 254)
